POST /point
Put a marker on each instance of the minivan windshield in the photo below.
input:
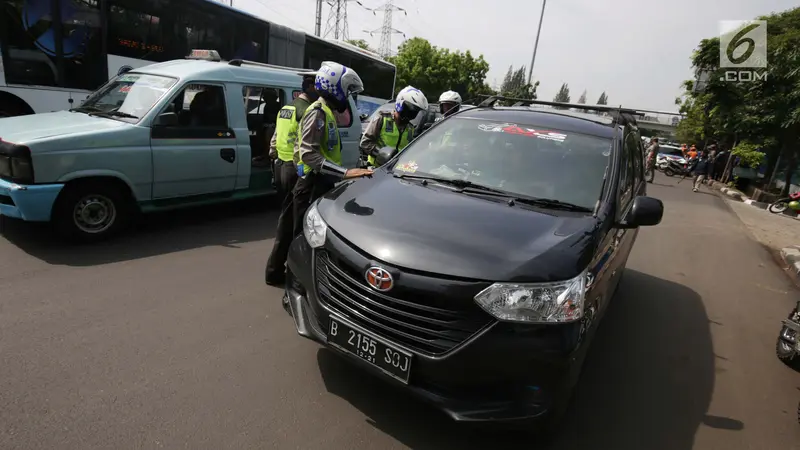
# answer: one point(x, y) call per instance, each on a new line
point(522, 159)
point(128, 96)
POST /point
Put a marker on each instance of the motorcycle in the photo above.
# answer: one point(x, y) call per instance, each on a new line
point(787, 348)
point(675, 168)
point(782, 204)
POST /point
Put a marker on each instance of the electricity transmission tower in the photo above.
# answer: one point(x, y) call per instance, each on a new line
point(386, 30)
point(337, 19)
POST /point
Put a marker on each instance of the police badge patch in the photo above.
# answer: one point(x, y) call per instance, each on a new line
point(320, 124)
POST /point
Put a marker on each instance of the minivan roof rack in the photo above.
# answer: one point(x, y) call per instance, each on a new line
point(244, 62)
point(620, 115)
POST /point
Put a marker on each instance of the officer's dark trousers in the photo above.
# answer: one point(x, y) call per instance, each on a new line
point(290, 223)
point(285, 174)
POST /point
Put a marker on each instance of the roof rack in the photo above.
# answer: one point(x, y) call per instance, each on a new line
point(244, 62)
point(619, 114)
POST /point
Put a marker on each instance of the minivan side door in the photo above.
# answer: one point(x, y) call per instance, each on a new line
point(195, 152)
point(349, 125)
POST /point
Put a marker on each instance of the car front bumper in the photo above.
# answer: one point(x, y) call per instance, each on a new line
point(33, 203)
point(503, 373)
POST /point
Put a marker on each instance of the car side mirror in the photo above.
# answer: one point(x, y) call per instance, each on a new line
point(169, 119)
point(363, 117)
point(385, 155)
point(646, 211)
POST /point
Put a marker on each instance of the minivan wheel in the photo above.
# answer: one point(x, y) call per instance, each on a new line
point(91, 211)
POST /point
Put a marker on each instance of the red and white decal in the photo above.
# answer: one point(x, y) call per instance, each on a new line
point(512, 128)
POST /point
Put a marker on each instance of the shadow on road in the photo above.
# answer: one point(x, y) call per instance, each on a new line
point(227, 225)
point(647, 382)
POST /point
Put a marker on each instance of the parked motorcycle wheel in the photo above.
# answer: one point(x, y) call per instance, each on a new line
point(779, 206)
point(669, 172)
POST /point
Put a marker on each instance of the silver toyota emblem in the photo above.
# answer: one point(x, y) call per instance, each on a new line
point(379, 279)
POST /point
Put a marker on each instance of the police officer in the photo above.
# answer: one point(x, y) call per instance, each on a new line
point(281, 146)
point(449, 103)
point(393, 129)
point(318, 158)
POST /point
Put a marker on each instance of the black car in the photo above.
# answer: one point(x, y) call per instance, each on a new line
point(472, 269)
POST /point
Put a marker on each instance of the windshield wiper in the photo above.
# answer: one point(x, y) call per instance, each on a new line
point(474, 188)
point(461, 184)
point(85, 109)
point(113, 114)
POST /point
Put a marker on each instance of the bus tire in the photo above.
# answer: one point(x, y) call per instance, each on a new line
point(93, 210)
point(12, 106)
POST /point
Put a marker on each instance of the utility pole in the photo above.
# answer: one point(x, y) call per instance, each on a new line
point(318, 22)
point(536, 45)
point(337, 19)
point(386, 30)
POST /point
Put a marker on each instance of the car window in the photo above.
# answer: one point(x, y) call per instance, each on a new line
point(200, 106)
point(522, 159)
point(634, 149)
point(626, 175)
point(130, 94)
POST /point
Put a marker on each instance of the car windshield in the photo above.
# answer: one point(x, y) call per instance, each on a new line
point(521, 159)
point(127, 97)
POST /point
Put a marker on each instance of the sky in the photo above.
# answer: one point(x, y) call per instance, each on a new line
point(637, 51)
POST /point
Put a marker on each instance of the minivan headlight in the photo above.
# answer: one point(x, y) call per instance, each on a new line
point(556, 302)
point(314, 228)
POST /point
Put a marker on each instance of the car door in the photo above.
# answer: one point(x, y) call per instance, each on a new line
point(194, 148)
point(631, 185)
point(349, 126)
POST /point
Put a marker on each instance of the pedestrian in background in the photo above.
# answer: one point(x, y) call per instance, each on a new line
point(700, 170)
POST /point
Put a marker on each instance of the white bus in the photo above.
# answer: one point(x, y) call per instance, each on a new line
point(53, 53)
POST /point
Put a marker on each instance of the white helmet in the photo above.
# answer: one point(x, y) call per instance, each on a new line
point(410, 101)
point(450, 97)
point(338, 81)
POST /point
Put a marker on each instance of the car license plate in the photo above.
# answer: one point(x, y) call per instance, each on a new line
point(365, 345)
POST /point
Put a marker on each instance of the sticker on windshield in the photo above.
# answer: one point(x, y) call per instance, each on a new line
point(128, 78)
point(125, 88)
point(409, 167)
point(512, 128)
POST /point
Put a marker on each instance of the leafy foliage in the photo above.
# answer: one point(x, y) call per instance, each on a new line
point(582, 98)
point(562, 96)
point(749, 154)
point(435, 70)
point(603, 100)
point(764, 110)
point(515, 86)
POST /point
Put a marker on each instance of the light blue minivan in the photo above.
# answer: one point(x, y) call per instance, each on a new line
point(168, 135)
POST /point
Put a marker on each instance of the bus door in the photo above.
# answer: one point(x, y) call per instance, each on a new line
point(194, 147)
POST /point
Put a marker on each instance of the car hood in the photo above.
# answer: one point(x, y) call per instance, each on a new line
point(36, 127)
point(434, 229)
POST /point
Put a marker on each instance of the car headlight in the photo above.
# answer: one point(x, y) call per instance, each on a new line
point(314, 228)
point(556, 302)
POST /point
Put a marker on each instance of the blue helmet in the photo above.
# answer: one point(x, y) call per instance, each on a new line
point(338, 81)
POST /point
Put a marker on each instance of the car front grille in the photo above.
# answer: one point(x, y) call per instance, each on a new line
point(422, 322)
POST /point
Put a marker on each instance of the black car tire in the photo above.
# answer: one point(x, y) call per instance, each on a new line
point(668, 172)
point(115, 207)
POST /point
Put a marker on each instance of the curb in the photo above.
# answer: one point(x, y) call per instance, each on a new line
point(791, 256)
point(756, 204)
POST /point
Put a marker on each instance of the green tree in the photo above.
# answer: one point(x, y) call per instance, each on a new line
point(515, 85)
point(764, 111)
point(582, 98)
point(360, 43)
point(435, 70)
point(603, 100)
point(562, 96)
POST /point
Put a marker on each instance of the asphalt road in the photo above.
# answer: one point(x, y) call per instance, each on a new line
point(168, 338)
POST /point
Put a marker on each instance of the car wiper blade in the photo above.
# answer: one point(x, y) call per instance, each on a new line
point(85, 109)
point(552, 204)
point(461, 184)
point(114, 114)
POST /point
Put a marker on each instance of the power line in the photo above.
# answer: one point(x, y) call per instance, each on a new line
point(386, 30)
point(337, 19)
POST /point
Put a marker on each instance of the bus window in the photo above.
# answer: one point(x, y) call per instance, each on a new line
point(204, 30)
point(249, 41)
point(26, 60)
point(84, 62)
point(136, 29)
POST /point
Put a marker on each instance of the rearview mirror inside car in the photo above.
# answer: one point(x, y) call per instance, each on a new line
point(169, 119)
point(646, 211)
point(385, 155)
